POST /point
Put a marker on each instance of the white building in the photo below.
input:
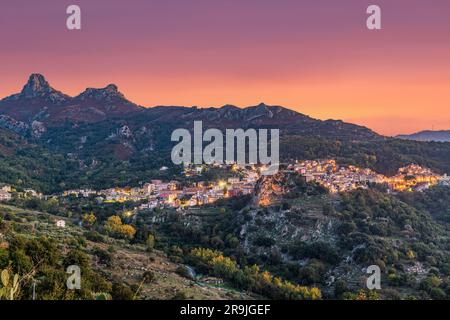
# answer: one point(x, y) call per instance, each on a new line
point(61, 223)
point(445, 180)
point(4, 196)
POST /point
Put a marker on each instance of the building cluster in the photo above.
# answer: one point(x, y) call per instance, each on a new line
point(335, 178)
point(328, 173)
point(340, 179)
point(6, 192)
point(157, 193)
point(414, 178)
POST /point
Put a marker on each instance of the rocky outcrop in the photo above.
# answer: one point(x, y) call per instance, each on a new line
point(37, 87)
point(37, 129)
point(13, 125)
point(270, 189)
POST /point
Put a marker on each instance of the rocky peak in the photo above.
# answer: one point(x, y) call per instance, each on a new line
point(108, 93)
point(38, 87)
point(112, 88)
point(262, 105)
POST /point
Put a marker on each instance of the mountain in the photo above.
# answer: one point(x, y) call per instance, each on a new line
point(37, 88)
point(38, 101)
point(100, 133)
point(428, 135)
point(262, 116)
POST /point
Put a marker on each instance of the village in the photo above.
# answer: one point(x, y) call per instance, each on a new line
point(343, 179)
point(327, 173)
point(158, 193)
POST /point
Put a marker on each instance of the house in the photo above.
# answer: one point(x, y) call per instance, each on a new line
point(149, 188)
point(6, 188)
point(212, 281)
point(33, 193)
point(60, 223)
point(5, 196)
point(149, 205)
point(445, 180)
point(233, 180)
point(198, 169)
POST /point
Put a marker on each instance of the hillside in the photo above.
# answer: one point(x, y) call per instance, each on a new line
point(317, 239)
point(88, 139)
point(27, 165)
point(288, 240)
point(109, 261)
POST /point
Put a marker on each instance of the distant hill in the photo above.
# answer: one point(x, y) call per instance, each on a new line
point(428, 135)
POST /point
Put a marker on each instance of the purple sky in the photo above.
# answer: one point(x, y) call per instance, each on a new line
point(316, 57)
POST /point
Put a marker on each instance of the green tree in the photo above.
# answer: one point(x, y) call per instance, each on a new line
point(89, 219)
point(150, 242)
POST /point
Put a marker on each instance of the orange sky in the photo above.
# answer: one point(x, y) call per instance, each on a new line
point(316, 57)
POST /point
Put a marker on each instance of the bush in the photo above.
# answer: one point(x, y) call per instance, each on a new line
point(264, 241)
point(148, 276)
point(104, 256)
point(94, 236)
point(121, 292)
point(184, 272)
point(180, 295)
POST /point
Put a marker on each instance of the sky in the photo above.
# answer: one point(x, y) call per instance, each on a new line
point(313, 56)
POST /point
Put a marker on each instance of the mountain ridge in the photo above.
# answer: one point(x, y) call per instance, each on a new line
point(428, 135)
point(38, 101)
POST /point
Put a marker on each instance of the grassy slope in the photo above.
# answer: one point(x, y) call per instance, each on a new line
point(129, 261)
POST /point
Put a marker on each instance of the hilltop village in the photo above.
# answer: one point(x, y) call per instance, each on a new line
point(327, 173)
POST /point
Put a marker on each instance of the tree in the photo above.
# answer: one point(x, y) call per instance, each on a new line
point(78, 258)
point(121, 292)
point(115, 226)
point(150, 242)
point(127, 231)
point(89, 219)
point(148, 276)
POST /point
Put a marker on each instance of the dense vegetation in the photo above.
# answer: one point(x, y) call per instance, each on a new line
point(98, 156)
point(30, 166)
point(384, 156)
point(395, 232)
point(369, 226)
point(250, 278)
